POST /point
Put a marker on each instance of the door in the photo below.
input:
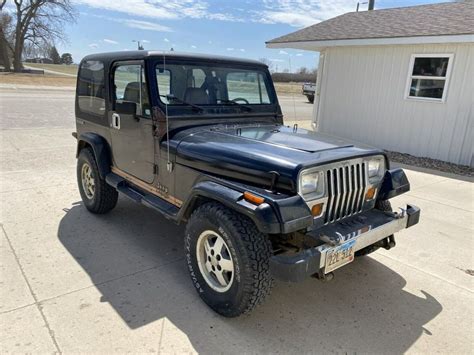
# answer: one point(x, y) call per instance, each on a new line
point(132, 133)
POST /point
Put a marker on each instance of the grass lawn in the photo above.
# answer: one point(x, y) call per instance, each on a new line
point(288, 88)
point(37, 79)
point(60, 68)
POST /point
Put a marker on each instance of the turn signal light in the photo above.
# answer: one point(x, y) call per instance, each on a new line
point(257, 200)
point(316, 210)
point(370, 194)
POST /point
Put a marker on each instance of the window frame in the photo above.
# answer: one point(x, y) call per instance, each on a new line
point(266, 76)
point(113, 68)
point(446, 78)
point(92, 115)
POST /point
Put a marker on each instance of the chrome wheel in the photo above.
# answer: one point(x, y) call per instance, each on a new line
point(215, 261)
point(88, 183)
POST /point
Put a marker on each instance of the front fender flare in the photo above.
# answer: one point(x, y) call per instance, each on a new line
point(262, 215)
point(284, 216)
point(100, 148)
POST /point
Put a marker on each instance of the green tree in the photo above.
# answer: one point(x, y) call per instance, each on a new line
point(66, 58)
point(54, 55)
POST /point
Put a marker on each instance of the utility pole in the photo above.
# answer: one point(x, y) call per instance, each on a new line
point(371, 5)
point(139, 46)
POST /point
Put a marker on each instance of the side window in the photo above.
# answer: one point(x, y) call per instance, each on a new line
point(90, 89)
point(163, 77)
point(428, 76)
point(249, 86)
point(130, 86)
point(198, 77)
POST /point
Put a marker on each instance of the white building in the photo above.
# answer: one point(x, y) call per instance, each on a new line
point(400, 79)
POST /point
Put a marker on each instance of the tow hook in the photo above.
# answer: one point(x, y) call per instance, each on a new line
point(389, 242)
point(397, 215)
point(324, 277)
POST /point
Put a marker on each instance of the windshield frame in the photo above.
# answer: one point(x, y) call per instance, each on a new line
point(214, 110)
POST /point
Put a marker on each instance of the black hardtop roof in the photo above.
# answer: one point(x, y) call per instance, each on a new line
point(144, 54)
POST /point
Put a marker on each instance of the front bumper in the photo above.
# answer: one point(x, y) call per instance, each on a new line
point(366, 229)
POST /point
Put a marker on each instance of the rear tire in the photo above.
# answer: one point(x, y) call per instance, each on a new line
point(96, 194)
point(231, 270)
point(384, 206)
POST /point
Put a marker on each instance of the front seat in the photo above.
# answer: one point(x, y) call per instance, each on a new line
point(196, 96)
point(132, 94)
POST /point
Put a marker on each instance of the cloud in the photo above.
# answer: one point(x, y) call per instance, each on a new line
point(162, 9)
point(242, 50)
point(106, 40)
point(93, 45)
point(145, 25)
point(166, 39)
point(296, 13)
point(283, 52)
point(277, 60)
point(230, 49)
point(139, 24)
point(299, 54)
point(193, 46)
point(145, 41)
point(300, 13)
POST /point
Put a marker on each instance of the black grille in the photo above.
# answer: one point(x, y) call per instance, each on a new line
point(346, 187)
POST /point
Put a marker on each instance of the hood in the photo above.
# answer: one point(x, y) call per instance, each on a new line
point(254, 154)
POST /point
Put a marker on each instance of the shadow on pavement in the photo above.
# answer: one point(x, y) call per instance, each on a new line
point(134, 258)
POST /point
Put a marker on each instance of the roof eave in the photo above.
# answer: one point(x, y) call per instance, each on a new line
point(319, 45)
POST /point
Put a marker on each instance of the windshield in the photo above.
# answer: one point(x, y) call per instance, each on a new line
point(210, 85)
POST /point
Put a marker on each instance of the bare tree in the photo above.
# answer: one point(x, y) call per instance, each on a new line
point(5, 42)
point(268, 62)
point(39, 22)
point(302, 70)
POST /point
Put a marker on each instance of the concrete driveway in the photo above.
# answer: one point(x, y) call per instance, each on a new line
point(75, 282)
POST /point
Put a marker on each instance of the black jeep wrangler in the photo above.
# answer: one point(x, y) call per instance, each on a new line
point(201, 140)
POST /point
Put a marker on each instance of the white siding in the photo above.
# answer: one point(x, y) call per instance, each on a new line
point(363, 98)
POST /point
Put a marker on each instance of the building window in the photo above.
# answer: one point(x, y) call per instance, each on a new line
point(90, 89)
point(428, 76)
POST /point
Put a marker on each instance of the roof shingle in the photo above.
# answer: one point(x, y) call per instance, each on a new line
point(454, 18)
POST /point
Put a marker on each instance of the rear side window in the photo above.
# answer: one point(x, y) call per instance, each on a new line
point(90, 89)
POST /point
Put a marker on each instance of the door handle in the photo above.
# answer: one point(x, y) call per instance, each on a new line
point(116, 121)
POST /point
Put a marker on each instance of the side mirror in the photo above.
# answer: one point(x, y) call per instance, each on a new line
point(126, 107)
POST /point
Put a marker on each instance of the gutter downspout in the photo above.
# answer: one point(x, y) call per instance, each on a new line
point(317, 96)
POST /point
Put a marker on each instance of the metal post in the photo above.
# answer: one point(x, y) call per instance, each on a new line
point(371, 5)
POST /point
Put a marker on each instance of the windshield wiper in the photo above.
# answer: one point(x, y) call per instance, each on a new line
point(247, 108)
point(172, 97)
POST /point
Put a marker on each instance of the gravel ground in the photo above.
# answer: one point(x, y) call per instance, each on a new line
point(431, 164)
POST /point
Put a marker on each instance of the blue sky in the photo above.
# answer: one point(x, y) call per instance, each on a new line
point(226, 27)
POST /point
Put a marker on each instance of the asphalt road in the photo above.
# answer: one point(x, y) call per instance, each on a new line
point(75, 282)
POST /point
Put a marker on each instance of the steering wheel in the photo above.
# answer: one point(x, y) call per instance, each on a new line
point(240, 99)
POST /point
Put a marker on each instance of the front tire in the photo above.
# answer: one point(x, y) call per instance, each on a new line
point(228, 259)
point(96, 194)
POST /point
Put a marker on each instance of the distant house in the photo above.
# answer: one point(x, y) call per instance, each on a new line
point(39, 60)
point(401, 79)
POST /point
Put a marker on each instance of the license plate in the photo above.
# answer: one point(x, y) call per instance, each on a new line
point(340, 256)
